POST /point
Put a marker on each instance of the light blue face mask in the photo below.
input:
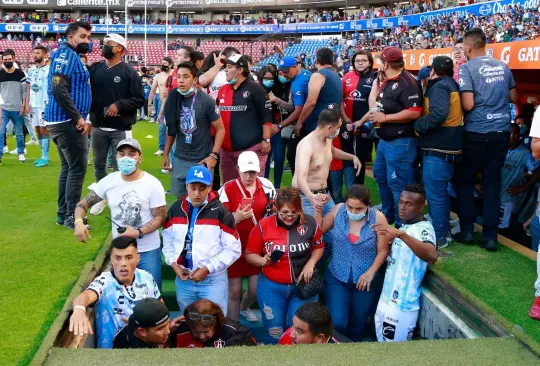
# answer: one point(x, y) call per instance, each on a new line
point(187, 92)
point(233, 81)
point(126, 165)
point(282, 79)
point(268, 83)
point(357, 216)
point(334, 135)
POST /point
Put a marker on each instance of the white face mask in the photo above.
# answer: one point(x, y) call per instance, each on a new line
point(331, 137)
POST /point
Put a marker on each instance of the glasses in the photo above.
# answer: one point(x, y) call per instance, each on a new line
point(288, 215)
point(361, 61)
point(204, 318)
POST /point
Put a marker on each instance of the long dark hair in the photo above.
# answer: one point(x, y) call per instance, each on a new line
point(208, 62)
point(262, 72)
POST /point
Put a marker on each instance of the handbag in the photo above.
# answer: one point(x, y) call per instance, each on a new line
point(286, 132)
point(314, 287)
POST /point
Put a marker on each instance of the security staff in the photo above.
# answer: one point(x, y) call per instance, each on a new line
point(70, 96)
point(113, 112)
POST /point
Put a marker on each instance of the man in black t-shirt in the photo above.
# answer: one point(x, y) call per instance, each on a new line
point(399, 99)
point(190, 114)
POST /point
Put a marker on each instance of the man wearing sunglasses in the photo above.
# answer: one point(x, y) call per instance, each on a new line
point(206, 326)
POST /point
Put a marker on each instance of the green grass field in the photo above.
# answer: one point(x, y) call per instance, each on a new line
point(41, 261)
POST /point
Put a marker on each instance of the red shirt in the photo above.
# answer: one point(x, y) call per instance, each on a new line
point(336, 164)
point(297, 243)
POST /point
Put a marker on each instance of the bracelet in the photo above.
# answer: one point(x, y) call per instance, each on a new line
point(385, 118)
point(214, 156)
point(79, 307)
point(79, 220)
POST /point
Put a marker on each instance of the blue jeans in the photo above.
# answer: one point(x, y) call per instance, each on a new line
point(535, 232)
point(349, 307)
point(393, 170)
point(162, 135)
point(337, 176)
point(436, 174)
point(17, 120)
point(151, 263)
point(157, 106)
point(214, 288)
point(278, 304)
point(308, 209)
point(278, 153)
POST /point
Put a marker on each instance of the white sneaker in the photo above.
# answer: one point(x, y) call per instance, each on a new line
point(272, 165)
point(98, 207)
point(22, 158)
point(249, 315)
point(32, 142)
point(5, 150)
point(15, 152)
point(158, 153)
point(166, 171)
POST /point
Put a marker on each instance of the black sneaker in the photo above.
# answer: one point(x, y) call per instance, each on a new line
point(489, 244)
point(464, 238)
point(60, 220)
point(69, 223)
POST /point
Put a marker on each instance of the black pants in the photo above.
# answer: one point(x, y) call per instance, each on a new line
point(291, 149)
point(482, 152)
point(73, 152)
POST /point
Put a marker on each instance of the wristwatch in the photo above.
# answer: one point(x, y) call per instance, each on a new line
point(266, 140)
point(140, 233)
point(280, 126)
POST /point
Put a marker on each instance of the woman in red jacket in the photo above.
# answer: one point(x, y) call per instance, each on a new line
point(249, 197)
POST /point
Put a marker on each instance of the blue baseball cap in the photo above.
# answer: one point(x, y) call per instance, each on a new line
point(199, 174)
point(286, 63)
point(424, 72)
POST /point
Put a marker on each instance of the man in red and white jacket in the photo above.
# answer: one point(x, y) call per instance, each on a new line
point(200, 242)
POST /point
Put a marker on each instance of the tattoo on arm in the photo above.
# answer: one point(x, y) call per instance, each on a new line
point(158, 216)
point(92, 198)
point(82, 206)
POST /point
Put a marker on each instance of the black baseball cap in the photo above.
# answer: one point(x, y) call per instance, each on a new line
point(443, 62)
point(149, 313)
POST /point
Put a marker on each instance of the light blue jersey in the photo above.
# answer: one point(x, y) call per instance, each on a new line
point(405, 270)
point(517, 162)
point(37, 80)
point(117, 301)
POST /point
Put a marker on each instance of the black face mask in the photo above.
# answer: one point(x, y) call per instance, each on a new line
point(282, 224)
point(107, 52)
point(8, 65)
point(164, 68)
point(82, 48)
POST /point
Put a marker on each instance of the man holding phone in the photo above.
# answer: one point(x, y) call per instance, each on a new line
point(117, 96)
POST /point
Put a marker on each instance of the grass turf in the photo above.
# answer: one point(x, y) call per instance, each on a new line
point(486, 351)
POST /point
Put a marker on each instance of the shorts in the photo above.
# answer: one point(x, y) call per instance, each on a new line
point(393, 325)
point(37, 117)
point(178, 176)
point(506, 210)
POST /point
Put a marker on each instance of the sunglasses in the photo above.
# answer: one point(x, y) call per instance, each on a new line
point(204, 318)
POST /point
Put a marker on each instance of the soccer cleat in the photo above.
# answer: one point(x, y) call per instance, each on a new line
point(22, 158)
point(37, 161)
point(60, 220)
point(5, 150)
point(535, 309)
point(98, 208)
point(166, 171)
point(158, 153)
point(42, 163)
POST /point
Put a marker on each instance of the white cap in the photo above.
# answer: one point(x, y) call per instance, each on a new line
point(116, 38)
point(248, 161)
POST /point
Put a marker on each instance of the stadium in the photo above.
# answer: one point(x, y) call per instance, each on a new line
point(474, 304)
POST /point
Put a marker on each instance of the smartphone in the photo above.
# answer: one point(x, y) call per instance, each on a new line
point(276, 255)
point(246, 202)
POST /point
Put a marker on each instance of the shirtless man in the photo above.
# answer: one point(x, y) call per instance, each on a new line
point(313, 157)
point(160, 81)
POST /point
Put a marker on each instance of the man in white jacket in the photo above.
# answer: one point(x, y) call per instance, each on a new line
point(200, 242)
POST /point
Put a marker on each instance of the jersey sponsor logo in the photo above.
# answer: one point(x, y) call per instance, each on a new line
point(395, 86)
point(369, 81)
point(356, 96)
point(389, 331)
point(299, 93)
point(395, 294)
point(348, 82)
point(233, 108)
point(117, 79)
point(413, 96)
point(302, 230)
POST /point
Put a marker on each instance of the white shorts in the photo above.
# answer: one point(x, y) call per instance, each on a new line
point(37, 117)
point(393, 325)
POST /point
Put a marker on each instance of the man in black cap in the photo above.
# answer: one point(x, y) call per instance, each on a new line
point(148, 326)
point(439, 130)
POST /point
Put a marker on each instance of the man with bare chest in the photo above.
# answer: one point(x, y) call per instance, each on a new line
point(313, 156)
point(159, 86)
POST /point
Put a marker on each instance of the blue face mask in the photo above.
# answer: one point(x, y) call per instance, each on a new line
point(126, 165)
point(282, 79)
point(268, 83)
point(357, 216)
point(523, 130)
point(187, 92)
point(334, 135)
